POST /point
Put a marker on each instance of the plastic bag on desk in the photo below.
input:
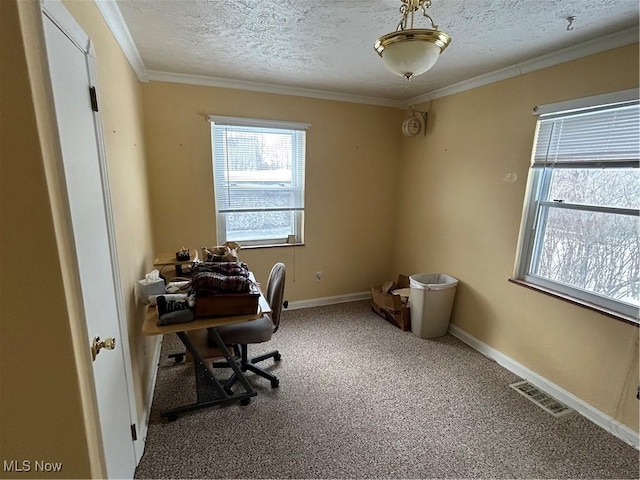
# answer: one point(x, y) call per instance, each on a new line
point(221, 253)
point(173, 311)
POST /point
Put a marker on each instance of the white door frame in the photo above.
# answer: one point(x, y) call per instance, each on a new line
point(60, 16)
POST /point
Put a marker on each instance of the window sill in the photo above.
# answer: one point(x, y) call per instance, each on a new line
point(575, 301)
point(274, 245)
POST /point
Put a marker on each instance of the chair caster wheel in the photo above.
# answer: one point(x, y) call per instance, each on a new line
point(172, 418)
point(245, 401)
point(277, 357)
point(275, 383)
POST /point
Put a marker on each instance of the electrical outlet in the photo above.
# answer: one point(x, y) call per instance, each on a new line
point(318, 277)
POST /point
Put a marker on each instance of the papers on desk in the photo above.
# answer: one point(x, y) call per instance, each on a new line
point(176, 287)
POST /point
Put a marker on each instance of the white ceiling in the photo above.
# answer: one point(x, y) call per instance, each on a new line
point(326, 46)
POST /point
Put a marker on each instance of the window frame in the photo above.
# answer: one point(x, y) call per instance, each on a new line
point(297, 236)
point(537, 207)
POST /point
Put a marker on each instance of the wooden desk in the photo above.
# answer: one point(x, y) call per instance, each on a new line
point(163, 260)
point(208, 389)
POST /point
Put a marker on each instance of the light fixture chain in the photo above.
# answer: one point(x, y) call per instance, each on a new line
point(404, 10)
point(425, 5)
point(409, 7)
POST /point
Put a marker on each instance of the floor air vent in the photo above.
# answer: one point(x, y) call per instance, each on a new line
point(542, 399)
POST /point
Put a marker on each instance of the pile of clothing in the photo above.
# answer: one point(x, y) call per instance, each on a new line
point(220, 277)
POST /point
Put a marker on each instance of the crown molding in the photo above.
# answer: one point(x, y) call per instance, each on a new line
point(113, 18)
point(591, 47)
point(158, 76)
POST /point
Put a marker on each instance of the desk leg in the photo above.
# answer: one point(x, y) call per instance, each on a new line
point(213, 334)
point(208, 389)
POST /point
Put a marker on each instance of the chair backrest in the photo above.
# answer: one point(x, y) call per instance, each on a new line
point(275, 293)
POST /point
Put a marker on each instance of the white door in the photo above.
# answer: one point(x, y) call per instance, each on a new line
point(70, 69)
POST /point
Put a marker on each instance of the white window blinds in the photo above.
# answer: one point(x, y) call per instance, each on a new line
point(259, 174)
point(580, 232)
point(602, 137)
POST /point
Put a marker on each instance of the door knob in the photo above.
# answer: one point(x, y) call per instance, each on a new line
point(97, 345)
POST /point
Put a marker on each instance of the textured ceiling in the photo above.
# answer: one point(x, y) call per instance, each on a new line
point(328, 44)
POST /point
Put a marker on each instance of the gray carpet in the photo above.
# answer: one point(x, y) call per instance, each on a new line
point(359, 398)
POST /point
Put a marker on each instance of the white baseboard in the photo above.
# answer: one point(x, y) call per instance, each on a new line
point(318, 302)
point(143, 427)
point(601, 419)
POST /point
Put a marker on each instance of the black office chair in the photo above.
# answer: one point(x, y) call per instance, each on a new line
point(256, 331)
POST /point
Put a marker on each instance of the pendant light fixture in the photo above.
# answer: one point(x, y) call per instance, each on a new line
point(412, 51)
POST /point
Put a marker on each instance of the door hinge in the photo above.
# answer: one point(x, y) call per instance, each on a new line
point(94, 98)
point(134, 433)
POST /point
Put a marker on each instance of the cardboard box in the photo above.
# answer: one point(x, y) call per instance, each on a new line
point(389, 305)
point(223, 304)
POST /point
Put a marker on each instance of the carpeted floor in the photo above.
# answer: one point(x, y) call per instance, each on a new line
point(358, 398)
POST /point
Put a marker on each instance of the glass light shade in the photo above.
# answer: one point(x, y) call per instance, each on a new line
point(411, 52)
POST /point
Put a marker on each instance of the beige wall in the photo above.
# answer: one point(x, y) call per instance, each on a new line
point(48, 402)
point(434, 203)
point(351, 181)
point(40, 393)
point(460, 216)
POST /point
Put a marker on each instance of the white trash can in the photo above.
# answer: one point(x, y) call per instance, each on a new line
point(431, 301)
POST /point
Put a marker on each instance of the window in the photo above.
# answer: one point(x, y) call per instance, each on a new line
point(259, 168)
point(580, 226)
